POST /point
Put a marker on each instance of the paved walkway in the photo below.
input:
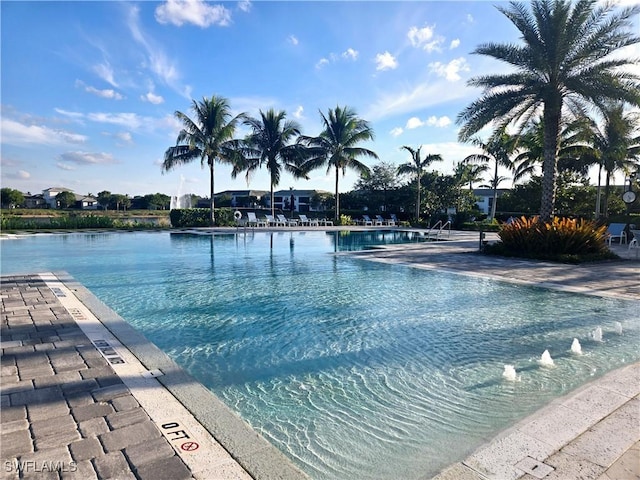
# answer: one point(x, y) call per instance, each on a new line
point(78, 404)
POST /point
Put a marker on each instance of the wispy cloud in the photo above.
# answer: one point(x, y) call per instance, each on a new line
point(386, 61)
point(299, 112)
point(433, 121)
point(322, 63)
point(396, 132)
point(293, 40)
point(17, 133)
point(450, 71)
point(65, 166)
point(158, 62)
point(19, 175)
point(105, 72)
point(350, 54)
point(455, 43)
point(245, 5)
point(130, 120)
point(87, 158)
point(105, 93)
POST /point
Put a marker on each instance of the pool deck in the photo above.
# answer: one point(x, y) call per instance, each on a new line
point(86, 396)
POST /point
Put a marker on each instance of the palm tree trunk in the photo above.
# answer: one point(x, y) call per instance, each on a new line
point(418, 201)
point(272, 201)
point(212, 219)
point(598, 195)
point(550, 165)
point(607, 185)
point(337, 196)
point(492, 215)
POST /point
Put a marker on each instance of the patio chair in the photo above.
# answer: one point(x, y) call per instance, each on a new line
point(289, 222)
point(635, 242)
point(272, 222)
point(310, 222)
point(252, 220)
point(617, 230)
point(383, 221)
point(366, 220)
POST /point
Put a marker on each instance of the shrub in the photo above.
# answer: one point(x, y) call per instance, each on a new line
point(199, 217)
point(562, 238)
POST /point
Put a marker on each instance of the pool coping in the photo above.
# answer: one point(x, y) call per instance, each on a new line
point(247, 447)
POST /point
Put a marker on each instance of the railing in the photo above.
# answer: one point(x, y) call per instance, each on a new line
point(435, 231)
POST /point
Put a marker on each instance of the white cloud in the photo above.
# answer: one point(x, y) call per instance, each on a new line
point(105, 72)
point(125, 137)
point(196, 12)
point(321, 63)
point(396, 132)
point(244, 5)
point(106, 93)
point(425, 38)
point(438, 122)
point(386, 61)
point(455, 43)
point(470, 18)
point(350, 54)
point(67, 113)
point(450, 71)
point(293, 40)
point(152, 98)
point(19, 175)
point(87, 158)
point(65, 166)
point(299, 112)
point(16, 133)
point(129, 120)
point(414, 122)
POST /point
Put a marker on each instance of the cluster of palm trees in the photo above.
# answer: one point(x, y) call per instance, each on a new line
point(565, 96)
point(273, 142)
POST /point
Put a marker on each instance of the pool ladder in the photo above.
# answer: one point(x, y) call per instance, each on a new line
point(435, 231)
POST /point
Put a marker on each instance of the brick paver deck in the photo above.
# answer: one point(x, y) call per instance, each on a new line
point(65, 413)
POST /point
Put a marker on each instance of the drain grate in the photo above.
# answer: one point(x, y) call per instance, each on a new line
point(534, 467)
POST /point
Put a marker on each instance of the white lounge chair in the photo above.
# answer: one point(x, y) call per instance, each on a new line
point(252, 220)
point(310, 222)
point(384, 221)
point(635, 242)
point(617, 230)
point(289, 222)
point(272, 222)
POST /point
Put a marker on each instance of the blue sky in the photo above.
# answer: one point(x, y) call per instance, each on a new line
point(89, 89)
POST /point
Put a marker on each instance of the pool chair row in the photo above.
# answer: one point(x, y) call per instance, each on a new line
point(281, 221)
point(378, 221)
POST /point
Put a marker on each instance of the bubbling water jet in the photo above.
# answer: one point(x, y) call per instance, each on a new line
point(618, 328)
point(597, 334)
point(510, 373)
point(575, 347)
point(545, 359)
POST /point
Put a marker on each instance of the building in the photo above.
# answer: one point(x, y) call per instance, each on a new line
point(242, 198)
point(484, 198)
point(303, 200)
point(83, 202)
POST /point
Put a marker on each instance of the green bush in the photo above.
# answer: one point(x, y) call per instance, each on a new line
point(561, 239)
point(199, 217)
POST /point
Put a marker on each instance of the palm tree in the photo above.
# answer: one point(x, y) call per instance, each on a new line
point(467, 173)
point(270, 144)
point(498, 148)
point(208, 136)
point(336, 147)
point(415, 167)
point(564, 63)
point(614, 146)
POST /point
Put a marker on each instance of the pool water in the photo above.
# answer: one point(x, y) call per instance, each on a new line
point(352, 368)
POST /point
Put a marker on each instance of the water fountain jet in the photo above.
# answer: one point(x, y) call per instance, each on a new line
point(545, 359)
point(597, 334)
point(510, 373)
point(575, 347)
point(618, 328)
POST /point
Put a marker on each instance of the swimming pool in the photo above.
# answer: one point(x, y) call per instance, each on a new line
point(352, 368)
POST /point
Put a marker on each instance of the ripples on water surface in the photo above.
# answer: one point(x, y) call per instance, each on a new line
point(354, 369)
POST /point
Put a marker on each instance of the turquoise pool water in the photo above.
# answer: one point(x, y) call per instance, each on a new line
point(353, 369)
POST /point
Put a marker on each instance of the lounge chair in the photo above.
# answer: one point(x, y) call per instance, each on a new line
point(617, 230)
point(384, 221)
point(289, 222)
point(367, 221)
point(252, 220)
point(310, 222)
point(635, 242)
point(272, 222)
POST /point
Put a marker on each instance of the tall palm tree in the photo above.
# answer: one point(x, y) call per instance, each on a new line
point(336, 146)
point(498, 148)
point(270, 144)
point(614, 146)
point(563, 63)
point(208, 136)
point(415, 167)
point(467, 173)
